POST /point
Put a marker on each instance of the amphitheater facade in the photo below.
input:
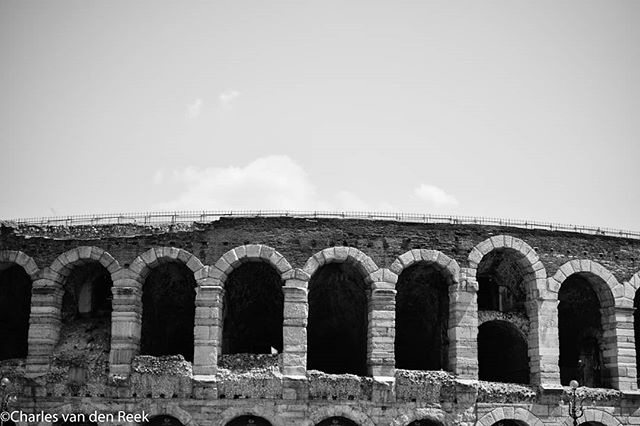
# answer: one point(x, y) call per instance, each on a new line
point(310, 321)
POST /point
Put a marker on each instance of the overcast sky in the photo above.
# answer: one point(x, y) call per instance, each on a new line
point(493, 108)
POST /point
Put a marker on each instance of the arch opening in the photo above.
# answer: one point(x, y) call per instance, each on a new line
point(85, 333)
point(163, 420)
point(502, 353)
point(501, 282)
point(509, 422)
point(425, 422)
point(253, 310)
point(15, 308)
point(337, 327)
point(249, 421)
point(580, 332)
point(422, 317)
point(168, 311)
point(337, 421)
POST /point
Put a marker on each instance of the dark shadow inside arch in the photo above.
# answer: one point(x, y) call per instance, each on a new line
point(86, 319)
point(425, 422)
point(337, 329)
point(249, 421)
point(502, 353)
point(15, 308)
point(501, 282)
point(164, 420)
point(422, 318)
point(509, 422)
point(168, 311)
point(636, 329)
point(580, 333)
point(337, 421)
point(253, 310)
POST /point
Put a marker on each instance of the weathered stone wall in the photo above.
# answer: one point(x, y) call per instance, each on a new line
point(205, 392)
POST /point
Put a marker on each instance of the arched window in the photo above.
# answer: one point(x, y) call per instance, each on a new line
point(337, 421)
point(502, 353)
point(15, 308)
point(337, 330)
point(422, 318)
point(249, 421)
point(168, 311)
point(580, 332)
point(253, 310)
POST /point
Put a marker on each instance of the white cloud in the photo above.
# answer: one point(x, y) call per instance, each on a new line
point(227, 97)
point(194, 109)
point(435, 196)
point(274, 182)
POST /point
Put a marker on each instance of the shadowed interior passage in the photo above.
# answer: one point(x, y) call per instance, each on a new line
point(168, 311)
point(253, 310)
point(337, 330)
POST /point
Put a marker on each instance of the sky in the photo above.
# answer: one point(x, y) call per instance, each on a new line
point(510, 109)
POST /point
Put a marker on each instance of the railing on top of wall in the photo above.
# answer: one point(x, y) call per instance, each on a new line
point(163, 218)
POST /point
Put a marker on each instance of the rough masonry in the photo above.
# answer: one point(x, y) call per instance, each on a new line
point(289, 321)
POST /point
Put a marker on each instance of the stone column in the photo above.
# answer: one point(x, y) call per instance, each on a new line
point(294, 330)
point(381, 331)
point(126, 322)
point(207, 337)
point(44, 323)
point(463, 326)
point(544, 344)
point(624, 374)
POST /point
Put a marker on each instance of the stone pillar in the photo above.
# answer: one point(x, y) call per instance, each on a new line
point(544, 344)
point(126, 322)
point(463, 326)
point(381, 331)
point(294, 331)
point(624, 374)
point(207, 338)
point(44, 323)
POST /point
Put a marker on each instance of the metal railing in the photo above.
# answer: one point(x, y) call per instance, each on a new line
point(165, 218)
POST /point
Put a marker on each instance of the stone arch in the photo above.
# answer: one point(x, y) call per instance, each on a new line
point(538, 300)
point(435, 257)
point(426, 282)
point(535, 272)
point(62, 265)
point(341, 288)
point(350, 413)
point(510, 413)
point(595, 415)
point(159, 408)
point(610, 296)
point(18, 273)
point(432, 414)
point(231, 413)
point(634, 282)
point(247, 253)
point(363, 263)
point(21, 259)
point(143, 264)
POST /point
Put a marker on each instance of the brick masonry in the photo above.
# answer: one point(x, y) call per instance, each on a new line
point(296, 248)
